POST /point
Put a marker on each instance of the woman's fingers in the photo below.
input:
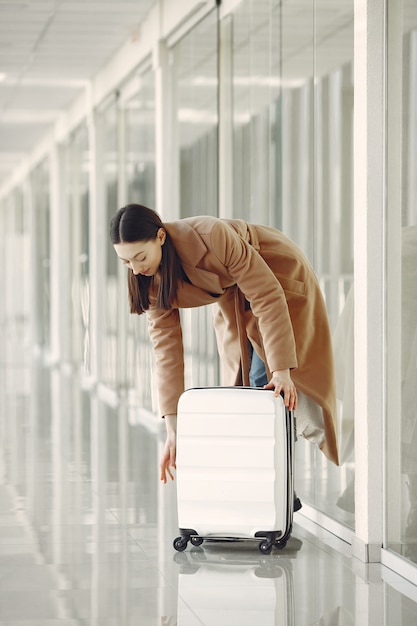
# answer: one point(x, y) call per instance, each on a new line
point(168, 460)
point(165, 472)
point(281, 383)
point(290, 396)
point(170, 474)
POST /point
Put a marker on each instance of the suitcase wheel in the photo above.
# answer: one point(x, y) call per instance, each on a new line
point(282, 541)
point(180, 543)
point(265, 547)
point(196, 541)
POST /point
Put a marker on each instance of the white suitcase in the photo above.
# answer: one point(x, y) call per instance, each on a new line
point(235, 457)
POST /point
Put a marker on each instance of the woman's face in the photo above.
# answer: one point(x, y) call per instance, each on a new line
point(142, 257)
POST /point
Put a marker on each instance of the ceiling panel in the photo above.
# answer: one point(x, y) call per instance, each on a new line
point(48, 49)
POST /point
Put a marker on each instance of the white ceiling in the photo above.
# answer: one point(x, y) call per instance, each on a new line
point(48, 49)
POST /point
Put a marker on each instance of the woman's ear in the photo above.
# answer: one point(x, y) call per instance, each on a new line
point(162, 235)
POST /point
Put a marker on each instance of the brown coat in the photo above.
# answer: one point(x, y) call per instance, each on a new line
point(264, 289)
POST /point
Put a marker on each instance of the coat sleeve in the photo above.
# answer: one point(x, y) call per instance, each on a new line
point(264, 292)
point(166, 336)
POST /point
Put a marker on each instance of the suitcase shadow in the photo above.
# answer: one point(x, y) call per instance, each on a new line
point(245, 555)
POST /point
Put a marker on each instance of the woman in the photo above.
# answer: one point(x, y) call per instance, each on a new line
point(266, 298)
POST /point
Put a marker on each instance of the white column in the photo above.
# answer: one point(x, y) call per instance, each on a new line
point(226, 118)
point(60, 258)
point(122, 200)
point(55, 256)
point(97, 241)
point(35, 320)
point(369, 217)
point(393, 485)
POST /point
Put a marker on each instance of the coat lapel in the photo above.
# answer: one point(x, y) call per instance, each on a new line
point(191, 249)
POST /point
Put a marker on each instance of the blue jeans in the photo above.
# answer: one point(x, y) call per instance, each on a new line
point(257, 372)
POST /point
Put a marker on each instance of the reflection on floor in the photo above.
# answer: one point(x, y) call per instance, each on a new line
point(86, 534)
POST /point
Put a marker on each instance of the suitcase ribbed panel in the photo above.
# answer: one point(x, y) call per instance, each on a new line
point(232, 467)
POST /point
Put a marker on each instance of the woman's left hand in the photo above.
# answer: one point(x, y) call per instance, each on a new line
point(281, 382)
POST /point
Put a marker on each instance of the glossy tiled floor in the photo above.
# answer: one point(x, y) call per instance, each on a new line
point(86, 534)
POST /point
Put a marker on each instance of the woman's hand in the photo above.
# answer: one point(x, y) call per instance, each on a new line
point(169, 453)
point(281, 382)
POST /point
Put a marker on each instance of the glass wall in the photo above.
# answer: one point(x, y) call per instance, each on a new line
point(325, 224)
point(40, 218)
point(139, 140)
point(195, 80)
point(138, 132)
point(194, 67)
point(292, 118)
point(257, 111)
point(402, 331)
point(108, 129)
point(76, 157)
point(16, 310)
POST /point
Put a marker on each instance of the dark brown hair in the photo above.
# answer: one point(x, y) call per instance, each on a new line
point(135, 222)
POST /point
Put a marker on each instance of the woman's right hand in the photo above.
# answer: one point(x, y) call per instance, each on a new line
point(281, 382)
point(169, 453)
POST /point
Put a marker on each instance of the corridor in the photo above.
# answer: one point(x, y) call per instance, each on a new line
point(86, 532)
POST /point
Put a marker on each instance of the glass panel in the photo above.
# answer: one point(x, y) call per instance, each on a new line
point(402, 425)
point(332, 488)
point(40, 233)
point(139, 159)
point(195, 67)
point(195, 85)
point(107, 127)
point(16, 311)
point(292, 169)
point(132, 124)
point(257, 111)
point(139, 115)
point(325, 120)
point(77, 203)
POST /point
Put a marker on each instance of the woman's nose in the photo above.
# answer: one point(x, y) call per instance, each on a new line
point(135, 267)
